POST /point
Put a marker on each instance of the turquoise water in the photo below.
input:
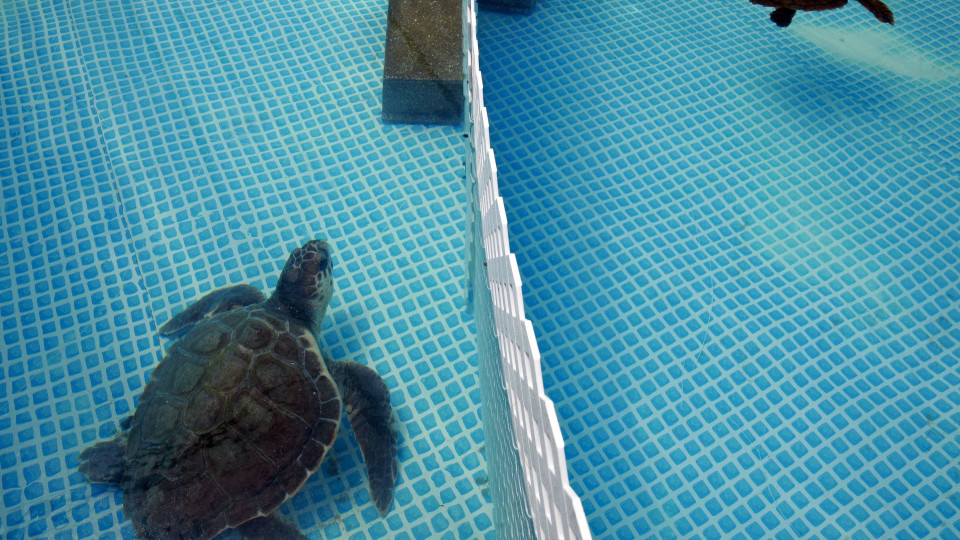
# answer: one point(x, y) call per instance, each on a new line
point(740, 248)
point(151, 152)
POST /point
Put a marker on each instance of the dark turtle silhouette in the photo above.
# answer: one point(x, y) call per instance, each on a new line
point(786, 9)
point(242, 410)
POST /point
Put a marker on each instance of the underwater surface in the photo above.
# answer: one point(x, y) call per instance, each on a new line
point(740, 248)
point(152, 152)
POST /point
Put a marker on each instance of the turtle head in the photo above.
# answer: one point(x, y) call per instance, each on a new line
point(306, 284)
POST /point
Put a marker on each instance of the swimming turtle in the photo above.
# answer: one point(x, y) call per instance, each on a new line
point(786, 9)
point(242, 410)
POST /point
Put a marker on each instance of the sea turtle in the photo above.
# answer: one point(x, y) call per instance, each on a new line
point(242, 410)
point(785, 9)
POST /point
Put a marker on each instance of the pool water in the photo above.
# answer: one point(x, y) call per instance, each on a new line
point(740, 248)
point(151, 152)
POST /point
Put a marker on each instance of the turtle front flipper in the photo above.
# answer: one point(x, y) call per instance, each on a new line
point(215, 302)
point(879, 10)
point(270, 527)
point(103, 462)
point(367, 401)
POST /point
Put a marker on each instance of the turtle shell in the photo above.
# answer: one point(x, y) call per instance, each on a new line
point(234, 419)
point(802, 5)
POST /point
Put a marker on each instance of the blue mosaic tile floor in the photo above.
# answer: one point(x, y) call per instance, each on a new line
point(150, 152)
point(740, 248)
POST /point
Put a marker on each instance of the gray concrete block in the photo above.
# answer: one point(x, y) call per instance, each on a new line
point(423, 68)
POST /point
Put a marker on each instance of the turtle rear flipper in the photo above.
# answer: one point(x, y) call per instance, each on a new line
point(269, 527)
point(782, 16)
point(879, 10)
point(103, 462)
point(367, 401)
point(218, 301)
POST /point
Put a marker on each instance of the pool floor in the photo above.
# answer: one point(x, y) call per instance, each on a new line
point(740, 248)
point(151, 152)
